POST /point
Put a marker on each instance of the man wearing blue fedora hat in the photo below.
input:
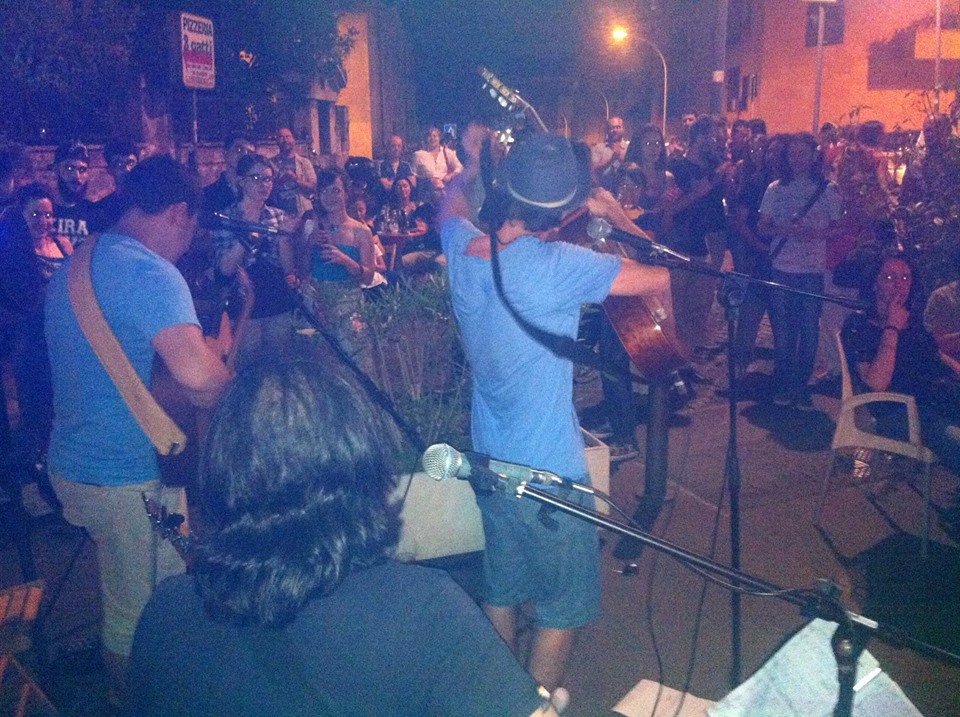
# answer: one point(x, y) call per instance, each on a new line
point(511, 289)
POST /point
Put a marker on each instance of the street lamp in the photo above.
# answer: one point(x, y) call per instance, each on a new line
point(619, 35)
point(818, 88)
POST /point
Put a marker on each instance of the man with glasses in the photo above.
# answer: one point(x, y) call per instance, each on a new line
point(225, 191)
point(121, 157)
point(72, 209)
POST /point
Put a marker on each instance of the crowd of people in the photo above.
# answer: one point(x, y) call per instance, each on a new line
point(294, 479)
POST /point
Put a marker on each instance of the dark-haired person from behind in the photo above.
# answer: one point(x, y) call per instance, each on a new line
point(100, 459)
point(294, 606)
point(522, 401)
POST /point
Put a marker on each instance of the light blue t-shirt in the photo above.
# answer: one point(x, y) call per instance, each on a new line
point(95, 437)
point(522, 408)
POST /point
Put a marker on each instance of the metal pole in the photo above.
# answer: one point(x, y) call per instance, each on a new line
point(666, 86)
point(936, 63)
point(719, 100)
point(196, 122)
point(818, 89)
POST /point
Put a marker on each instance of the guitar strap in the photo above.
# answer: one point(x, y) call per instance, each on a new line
point(814, 198)
point(561, 346)
point(163, 433)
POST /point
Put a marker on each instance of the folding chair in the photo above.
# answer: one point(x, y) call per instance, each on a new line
point(18, 609)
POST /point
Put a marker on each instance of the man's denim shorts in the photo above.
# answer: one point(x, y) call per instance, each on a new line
point(540, 554)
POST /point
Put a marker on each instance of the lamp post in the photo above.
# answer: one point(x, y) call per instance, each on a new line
point(818, 88)
point(937, 88)
point(619, 35)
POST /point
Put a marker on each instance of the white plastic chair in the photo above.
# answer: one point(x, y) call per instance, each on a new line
point(849, 435)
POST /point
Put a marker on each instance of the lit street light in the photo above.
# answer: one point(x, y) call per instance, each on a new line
point(619, 34)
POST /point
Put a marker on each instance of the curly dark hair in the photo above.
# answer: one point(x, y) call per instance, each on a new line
point(295, 480)
point(326, 177)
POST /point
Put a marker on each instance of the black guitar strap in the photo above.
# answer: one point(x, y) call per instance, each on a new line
point(561, 346)
point(814, 198)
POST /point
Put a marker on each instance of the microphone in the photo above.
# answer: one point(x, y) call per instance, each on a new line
point(216, 220)
point(441, 462)
point(599, 229)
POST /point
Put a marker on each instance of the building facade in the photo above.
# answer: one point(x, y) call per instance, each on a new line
point(878, 61)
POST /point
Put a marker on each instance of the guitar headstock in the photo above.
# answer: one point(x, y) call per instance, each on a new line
point(507, 98)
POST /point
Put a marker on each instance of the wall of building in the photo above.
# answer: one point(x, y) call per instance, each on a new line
point(356, 95)
point(874, 68)
point(379, 93)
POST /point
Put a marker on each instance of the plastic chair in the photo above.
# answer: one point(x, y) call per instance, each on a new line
point(849, 435)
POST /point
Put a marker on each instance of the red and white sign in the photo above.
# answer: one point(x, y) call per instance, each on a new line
point(196, 52)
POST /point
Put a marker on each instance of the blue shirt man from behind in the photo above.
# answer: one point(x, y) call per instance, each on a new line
point(100, 458)
point(522, 405)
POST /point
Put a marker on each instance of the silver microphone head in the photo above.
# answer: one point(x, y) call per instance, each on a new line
point(598, 228)
point(441, 461)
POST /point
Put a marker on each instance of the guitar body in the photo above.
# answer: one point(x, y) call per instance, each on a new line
point(646, 332)
point(181, 469)
point(644, 324)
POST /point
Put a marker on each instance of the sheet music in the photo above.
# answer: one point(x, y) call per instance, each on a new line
point(800, 680)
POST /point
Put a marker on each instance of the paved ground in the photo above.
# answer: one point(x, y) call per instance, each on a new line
point(659, 620)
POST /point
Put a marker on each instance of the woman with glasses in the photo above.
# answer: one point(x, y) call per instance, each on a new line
point(267, 258)
point(30, 252)
point(889, 349)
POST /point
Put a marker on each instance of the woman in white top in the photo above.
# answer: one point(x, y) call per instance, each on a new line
point(797, 212)
point(435, 165)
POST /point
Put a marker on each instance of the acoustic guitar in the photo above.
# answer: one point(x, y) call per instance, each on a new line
point(644, 324)
point(181, 469)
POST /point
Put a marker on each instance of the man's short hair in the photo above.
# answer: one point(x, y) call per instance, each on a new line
point(758, 126)
point(705, 125)
point(871, 133)
point(71, 151)
point(160, 182)
point(119, 148)
point(237, 136)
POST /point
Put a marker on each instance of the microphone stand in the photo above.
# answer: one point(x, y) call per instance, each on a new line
point(853, 631)
point(731, 295)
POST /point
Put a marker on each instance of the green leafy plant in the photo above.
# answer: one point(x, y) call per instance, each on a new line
point(417, 356)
